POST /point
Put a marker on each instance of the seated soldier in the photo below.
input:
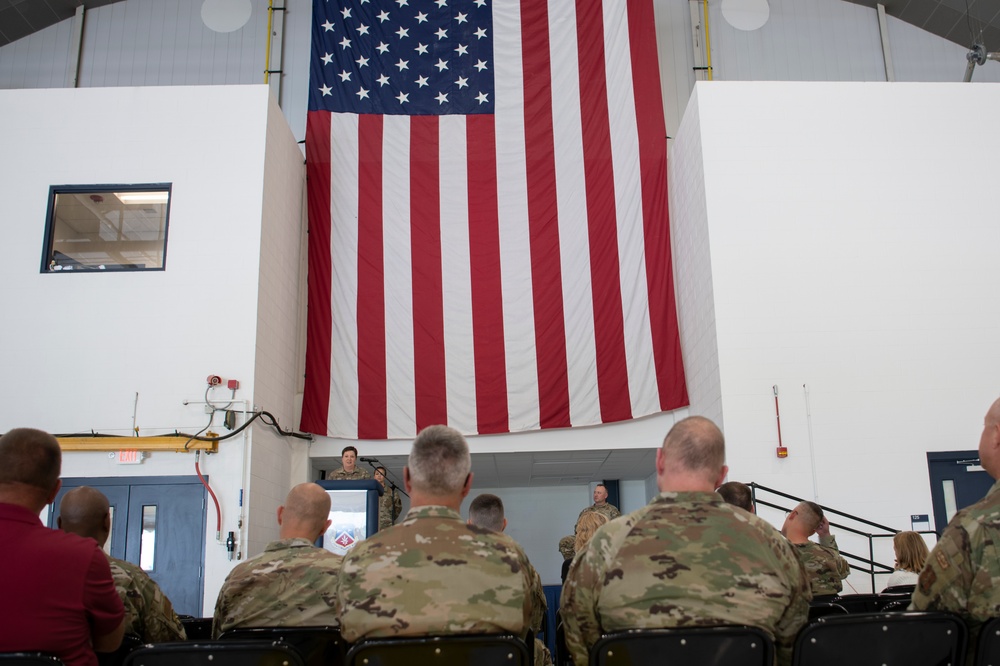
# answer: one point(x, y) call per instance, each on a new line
point(686, 558)
point(432, 573)
point(290, 584)
point(149, 615)
point(826, 567)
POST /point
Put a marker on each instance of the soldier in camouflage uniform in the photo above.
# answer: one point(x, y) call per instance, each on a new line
point(389, 504)
point(685, 559)
point(962, 574)
point(292, 582)
point(601, 505)
point(826, 567)
point(433, 573)
point(349, 470)
point(148, 612)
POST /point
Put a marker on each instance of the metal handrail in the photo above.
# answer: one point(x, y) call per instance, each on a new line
point(871, 564)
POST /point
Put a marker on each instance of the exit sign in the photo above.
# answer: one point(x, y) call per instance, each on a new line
point(129, 457)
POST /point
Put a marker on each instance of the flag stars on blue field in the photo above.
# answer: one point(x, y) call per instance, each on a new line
point(446, 53)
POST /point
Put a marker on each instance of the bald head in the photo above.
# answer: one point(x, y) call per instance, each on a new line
point(693, 456)
point(989, 441)
point(305, 513)
point(85, 511)
point(30, 462)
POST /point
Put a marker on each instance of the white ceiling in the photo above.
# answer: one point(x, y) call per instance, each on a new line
point(543, 468)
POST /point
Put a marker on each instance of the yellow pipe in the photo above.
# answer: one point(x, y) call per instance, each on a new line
point(161, 443)
point(708, 44)
point(267, 56)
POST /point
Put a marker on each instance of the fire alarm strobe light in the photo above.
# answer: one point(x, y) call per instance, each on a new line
point(214, 380)
point(233, 384)
point(782, 451)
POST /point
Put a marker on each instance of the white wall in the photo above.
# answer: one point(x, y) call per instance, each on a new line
point(79, 347)
point(848, 257)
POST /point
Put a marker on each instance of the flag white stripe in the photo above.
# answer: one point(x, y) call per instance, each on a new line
point(399, 371)
point(515, 256)
point(574, 243)
point(643, 391)
point(342, 418)
point(456, 276)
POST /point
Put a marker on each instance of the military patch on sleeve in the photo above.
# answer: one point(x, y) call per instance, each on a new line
point(927, 580)
point(942, 560)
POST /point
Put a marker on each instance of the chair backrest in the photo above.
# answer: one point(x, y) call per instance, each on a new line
point(130, 642)
point(885, 639)
point(455, 650)
point(318, 646)
point(988, 650)
point(858, 603)
point(705, 646)
point(822, 609)
point(197, 628)
point(29, 659)
point(216, 653)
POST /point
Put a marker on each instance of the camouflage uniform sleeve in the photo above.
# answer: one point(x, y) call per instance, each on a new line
point(615, 513)
point(800, 594)
point(843, 566)
point(221, 620)
point(538, 604)
point(946, 579)
point(578, 604)
point(160, 622)
point(397, 505)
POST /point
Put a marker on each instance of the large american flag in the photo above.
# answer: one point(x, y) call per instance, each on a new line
point(488, 237)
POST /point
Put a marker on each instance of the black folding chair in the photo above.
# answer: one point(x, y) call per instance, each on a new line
point(704, 646)
point(822, 609)
point(882, 639)
point(857, 603)
point(130, 643)
point(452, 650)
point(988, 650)
point(318, 646)
point(197, 628)
point(216, 653)
point(28, 659)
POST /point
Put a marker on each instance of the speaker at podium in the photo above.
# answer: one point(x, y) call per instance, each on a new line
point(353, 513)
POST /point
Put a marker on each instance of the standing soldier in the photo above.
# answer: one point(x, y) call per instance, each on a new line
point(601, 505)
point(389, 504)
point(349, 470)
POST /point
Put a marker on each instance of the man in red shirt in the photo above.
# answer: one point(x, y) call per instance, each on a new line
point(57, 592)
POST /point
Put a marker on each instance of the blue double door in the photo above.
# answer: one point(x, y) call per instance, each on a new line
point(158, 524)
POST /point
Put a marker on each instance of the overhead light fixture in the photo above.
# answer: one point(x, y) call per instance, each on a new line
point(159, 197)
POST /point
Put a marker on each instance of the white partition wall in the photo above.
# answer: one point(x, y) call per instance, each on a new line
point(110, 352)
point(852, 267)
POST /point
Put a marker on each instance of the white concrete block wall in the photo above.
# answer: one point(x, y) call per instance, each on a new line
point(693, 267)
point(79, 347)
point(277, 359)
point(849, 257)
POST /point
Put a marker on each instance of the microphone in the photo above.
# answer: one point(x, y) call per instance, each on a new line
point(368, 459)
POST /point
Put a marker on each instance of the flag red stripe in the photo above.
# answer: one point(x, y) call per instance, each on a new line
point(487, 293)
point(543, 218)
point(609, 327)
point(428, 301)
point(371, 282)
point(319, 326)
point(653, 168)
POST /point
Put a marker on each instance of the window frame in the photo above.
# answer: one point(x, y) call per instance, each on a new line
point(48, 240)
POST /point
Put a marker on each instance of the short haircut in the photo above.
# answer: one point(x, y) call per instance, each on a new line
point(586, 525)
point(83, 511)
point(439, 461)
point(600, 485)
point(911, 551)
point(486, 511)
point(30, 457)
point(812, 514)
point(307, 504)
point(695, 444)
point(349, 448)
point(737, 494)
